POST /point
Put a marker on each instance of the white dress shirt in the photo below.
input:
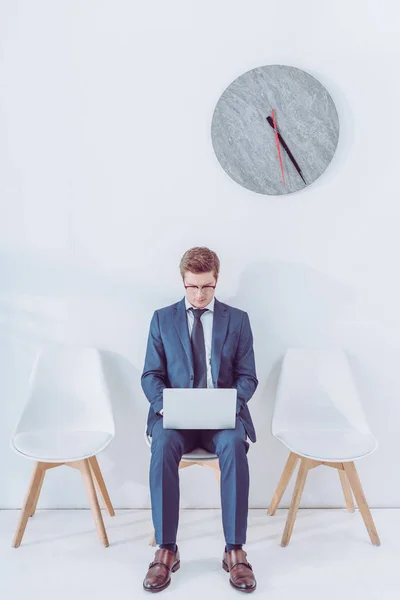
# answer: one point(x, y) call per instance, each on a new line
point(206, 319)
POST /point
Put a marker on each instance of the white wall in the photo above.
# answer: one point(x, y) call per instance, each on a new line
point(106, 158)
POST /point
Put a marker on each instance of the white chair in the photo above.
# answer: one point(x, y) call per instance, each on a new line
point(198, 456)
point(319, 418)
point(67, 420)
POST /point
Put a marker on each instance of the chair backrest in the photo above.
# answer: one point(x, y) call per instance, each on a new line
point(68, 390)
point(316, 391)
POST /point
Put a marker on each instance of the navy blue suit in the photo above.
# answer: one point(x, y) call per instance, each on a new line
point(169, 364)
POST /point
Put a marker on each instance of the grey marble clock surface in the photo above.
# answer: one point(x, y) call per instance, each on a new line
point(245, 144)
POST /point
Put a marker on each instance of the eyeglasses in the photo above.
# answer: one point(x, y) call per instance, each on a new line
point(202, 288)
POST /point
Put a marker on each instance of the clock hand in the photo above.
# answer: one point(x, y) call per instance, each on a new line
point(285, 146)
point(278, 147)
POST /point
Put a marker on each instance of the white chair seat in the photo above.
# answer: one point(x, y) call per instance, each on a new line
point(199, 454)
point(328, 445)
point(60, 445)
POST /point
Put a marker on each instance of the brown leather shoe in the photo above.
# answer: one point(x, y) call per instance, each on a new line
point(158, 576)
point(240, 571)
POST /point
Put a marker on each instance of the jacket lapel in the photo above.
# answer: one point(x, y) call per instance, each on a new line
point(220, 327)
point(180, 322)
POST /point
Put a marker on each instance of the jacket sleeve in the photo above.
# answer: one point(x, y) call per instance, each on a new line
point(245, 379)
point(154, 376)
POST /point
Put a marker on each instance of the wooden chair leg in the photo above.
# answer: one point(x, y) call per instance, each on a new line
point(38, 493)
point(214, 465)
point(283, 482)
point(218, 476)
point(297, 493)
point(185, 463)
point(98, 479)
point(84, 468)
point(31, 496)
point(152, 541)
point(348, 496)
point(358, 492)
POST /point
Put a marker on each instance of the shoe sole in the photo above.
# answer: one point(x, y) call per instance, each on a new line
point(245, 590)
point(164, 587)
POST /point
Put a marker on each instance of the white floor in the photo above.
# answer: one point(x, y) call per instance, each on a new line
point(330, 556)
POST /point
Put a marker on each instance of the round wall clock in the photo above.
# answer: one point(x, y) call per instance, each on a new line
point(275, 129)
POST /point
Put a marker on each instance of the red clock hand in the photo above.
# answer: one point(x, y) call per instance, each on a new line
point(278, 147)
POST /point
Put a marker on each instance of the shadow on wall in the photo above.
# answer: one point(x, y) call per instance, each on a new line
point(46, 299)
point(126, 461)
point(289, 304)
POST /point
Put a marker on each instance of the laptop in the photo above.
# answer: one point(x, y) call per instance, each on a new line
point(199, 408)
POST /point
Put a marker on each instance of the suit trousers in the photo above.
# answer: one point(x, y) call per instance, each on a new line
point(167, 448)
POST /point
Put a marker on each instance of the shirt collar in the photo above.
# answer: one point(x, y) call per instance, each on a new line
point(210, 306)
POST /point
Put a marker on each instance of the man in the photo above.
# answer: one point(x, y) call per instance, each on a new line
point(199, 342)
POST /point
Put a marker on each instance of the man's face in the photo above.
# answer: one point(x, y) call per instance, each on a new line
point(199, 288)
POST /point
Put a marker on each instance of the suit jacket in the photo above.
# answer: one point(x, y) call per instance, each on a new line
point(169, 364)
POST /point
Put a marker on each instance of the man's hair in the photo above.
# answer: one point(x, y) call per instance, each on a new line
point(199, 260)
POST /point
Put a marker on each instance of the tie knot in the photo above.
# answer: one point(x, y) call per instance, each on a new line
point(197, 312)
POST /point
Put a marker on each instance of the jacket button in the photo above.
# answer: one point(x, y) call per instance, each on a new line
point(191, 378)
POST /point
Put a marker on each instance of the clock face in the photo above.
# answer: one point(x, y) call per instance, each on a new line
point(275, 129)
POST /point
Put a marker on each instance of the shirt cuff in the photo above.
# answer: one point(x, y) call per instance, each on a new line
point(157, 406)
